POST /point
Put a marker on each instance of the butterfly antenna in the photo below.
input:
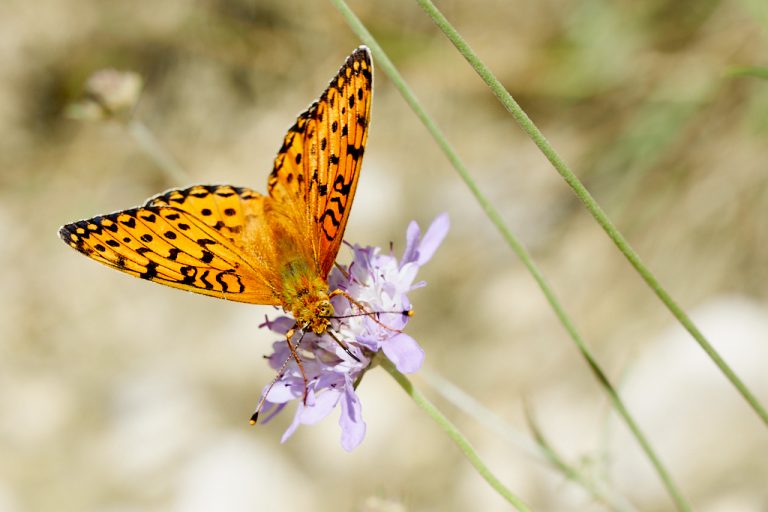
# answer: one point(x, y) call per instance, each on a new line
point(366, 312)
point(294, 356)
point(341, 269)
point(404, 312)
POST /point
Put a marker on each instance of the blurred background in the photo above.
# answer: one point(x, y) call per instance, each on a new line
point(121, 395)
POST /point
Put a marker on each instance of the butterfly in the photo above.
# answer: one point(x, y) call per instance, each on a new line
point(237, 244)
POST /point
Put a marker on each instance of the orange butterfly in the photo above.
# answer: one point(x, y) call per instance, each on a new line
point(234, 243)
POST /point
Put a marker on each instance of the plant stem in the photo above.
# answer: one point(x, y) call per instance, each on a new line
point(454, 433)
point(539, 449)
point(155, 151)
point(589, 202)
point(495, 217)
point(754, 71)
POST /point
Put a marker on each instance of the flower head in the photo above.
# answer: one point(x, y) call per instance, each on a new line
point(380, 284)
point(109, 93)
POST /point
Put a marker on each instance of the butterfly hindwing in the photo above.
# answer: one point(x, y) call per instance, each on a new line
point(318, 165)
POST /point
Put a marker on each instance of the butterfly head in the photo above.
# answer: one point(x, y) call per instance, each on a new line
point(305, 296)
point(314, 313)
point(321, 318)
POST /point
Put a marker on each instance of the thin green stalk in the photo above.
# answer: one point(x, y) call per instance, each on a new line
point(383, 61)
point(470, 406)
point(613, 501)
point(754, 71)
point(152, 148)
point(583, 194)
point(539, 449)
point(454, 434)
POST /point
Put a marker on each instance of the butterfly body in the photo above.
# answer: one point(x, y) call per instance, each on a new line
point(305, 296)
point(236, 244)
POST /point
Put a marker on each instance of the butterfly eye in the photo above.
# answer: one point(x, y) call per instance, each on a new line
point(325, 309)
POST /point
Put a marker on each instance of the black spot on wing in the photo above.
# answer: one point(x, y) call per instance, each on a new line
point(355, 152)
point(206, 283)
point(341, 186)
point(150, 272)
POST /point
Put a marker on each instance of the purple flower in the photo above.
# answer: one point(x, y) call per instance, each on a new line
point(379, 283)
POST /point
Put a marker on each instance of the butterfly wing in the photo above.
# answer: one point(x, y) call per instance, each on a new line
point(231, 242)
point(318, 165)
point(196, 239)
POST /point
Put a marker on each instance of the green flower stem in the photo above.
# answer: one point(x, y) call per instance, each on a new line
point(389, 68)
point(597, 212)
point(612, 501)
point(156, 152)
point(540, 449)
point(454, 434)
point(754, 71)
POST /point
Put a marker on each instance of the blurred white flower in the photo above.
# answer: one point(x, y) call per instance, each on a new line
point(108, 93)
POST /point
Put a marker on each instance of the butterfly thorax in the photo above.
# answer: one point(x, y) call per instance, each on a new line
point(305, 296)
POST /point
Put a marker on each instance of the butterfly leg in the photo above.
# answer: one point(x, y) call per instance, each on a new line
point(297, 358)
point(341, 269)
point(343, 345)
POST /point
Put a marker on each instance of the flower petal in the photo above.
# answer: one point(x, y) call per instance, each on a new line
point(351, 419)
point(294, 424)
point(411, 252)
point(433, 238)
point(271, 410)
point(280, 325)
point(282, 391)
point(407, 275)
point(324, 404)
point(403, 350)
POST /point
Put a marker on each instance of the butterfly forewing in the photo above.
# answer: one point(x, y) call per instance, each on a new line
point(225, 208)
point(318, 165)
point(172, 246)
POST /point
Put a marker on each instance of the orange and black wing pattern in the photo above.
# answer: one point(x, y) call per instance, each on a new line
point(192, 239)
point(233, 243)
point(319, 163)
